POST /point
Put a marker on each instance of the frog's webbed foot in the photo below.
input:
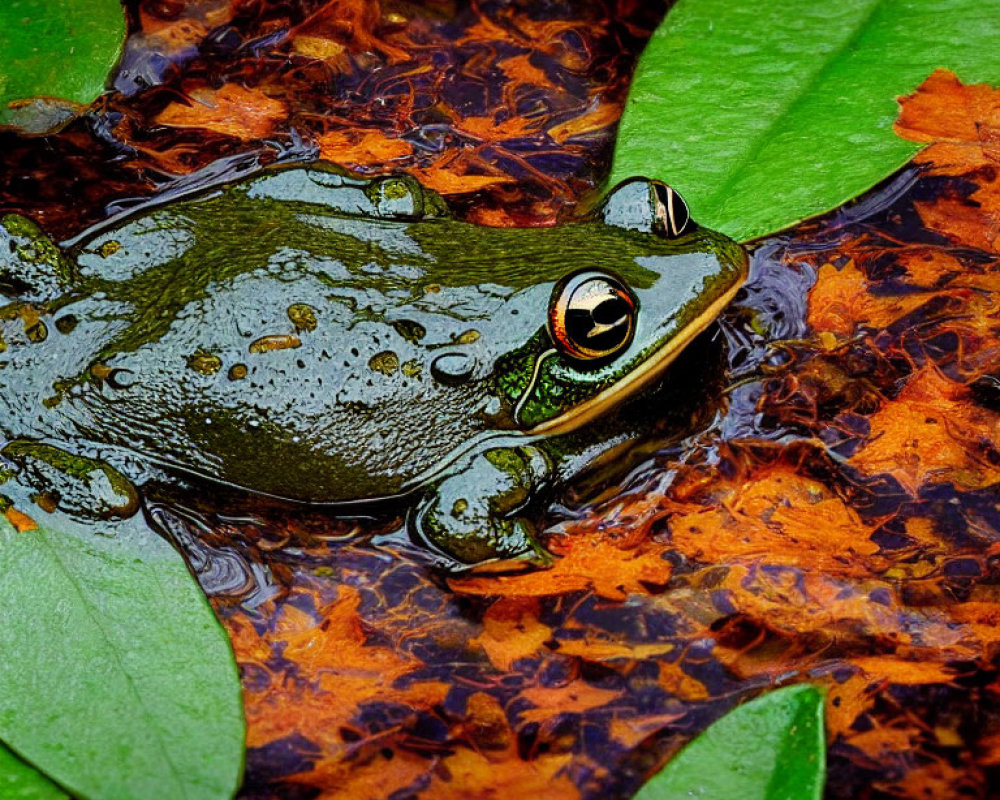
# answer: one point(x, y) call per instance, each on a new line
point(79, 486)
point(221, 570)
point(472, 518)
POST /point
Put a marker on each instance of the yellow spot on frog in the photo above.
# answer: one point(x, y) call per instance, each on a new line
point(412, 331)
point(36, 332)
point(277, 341)
point(109, 248)
point(303, 317)
point(100, 371)
point(204, 363)
point(386, 362)
point(412, 368)
point(237, 372)
point(34, 328)
point(432, 288)
point(460, 507)
point(468, 337)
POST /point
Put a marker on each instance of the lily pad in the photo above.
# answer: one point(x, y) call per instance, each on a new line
point(59, 49)
point(772, 748)
point(20, 781)
point(116, 678)
point(764, 113)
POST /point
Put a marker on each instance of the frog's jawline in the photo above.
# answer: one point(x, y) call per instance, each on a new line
point(637, 379)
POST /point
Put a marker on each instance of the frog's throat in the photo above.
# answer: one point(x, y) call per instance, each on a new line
point(637, 379)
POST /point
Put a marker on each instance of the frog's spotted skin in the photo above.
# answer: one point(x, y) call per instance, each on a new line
point(319, 338)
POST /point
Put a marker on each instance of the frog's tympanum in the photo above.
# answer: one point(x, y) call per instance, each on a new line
point(322, 339)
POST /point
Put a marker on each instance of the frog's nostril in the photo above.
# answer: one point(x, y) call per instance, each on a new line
point(121, 378)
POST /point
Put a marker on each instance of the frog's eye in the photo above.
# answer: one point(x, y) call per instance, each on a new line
point(591, 316)
point(640, 204)
point(670, 209)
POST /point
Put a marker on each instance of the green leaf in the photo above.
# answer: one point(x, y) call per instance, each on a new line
point(20, 781)
point(764, 113)
point(772, 748)
point(57, 48)
point(116, 679)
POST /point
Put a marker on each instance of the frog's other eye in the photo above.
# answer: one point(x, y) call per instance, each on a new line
point(640, 204)
point(670, 210)
point(591, 316)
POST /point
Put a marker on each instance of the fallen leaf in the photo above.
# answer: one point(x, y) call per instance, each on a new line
point(361, 147)
point(231, 110)
point(931, 433)
point(584, 562)
point(511, 631)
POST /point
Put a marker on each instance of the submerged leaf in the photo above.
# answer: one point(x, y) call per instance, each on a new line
point(764, 113)
point(772, 748)
point(57, 48)
point(116, 678)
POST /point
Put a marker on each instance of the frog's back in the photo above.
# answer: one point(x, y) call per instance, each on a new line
point(285, 335)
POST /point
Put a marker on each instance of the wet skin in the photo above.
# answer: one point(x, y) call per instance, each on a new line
point(322, 339)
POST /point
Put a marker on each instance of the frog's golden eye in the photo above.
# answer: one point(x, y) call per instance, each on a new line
point(591, 316)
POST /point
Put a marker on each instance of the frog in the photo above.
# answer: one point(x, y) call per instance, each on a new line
point(314, 337)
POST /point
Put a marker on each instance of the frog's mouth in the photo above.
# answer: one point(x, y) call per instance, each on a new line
point(636, 380)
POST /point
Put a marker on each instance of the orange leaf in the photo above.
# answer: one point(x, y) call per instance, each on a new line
point(601, 117)
point(511, 630)
point(520, 70)
point(446, 181)
point(362, 147)
point(468, 774)
point(772, 514)
point(232, 110)
point(962, 126)
point(573, 698)
point(586, 562)
point(841, 301)
point(931, 432)
point(952, 117)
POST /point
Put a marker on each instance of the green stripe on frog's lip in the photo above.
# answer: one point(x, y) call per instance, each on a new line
point(637, 379)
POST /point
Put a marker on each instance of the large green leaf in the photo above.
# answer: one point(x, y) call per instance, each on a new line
point(772, 748)
point(116, 679)
point(57, 48)
point(763, 113)
point(20, 781)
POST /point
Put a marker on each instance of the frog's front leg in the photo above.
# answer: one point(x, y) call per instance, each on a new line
point(473, 516)
point(79, 486)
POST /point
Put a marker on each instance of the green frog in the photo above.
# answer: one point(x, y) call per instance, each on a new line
point(319, 338)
